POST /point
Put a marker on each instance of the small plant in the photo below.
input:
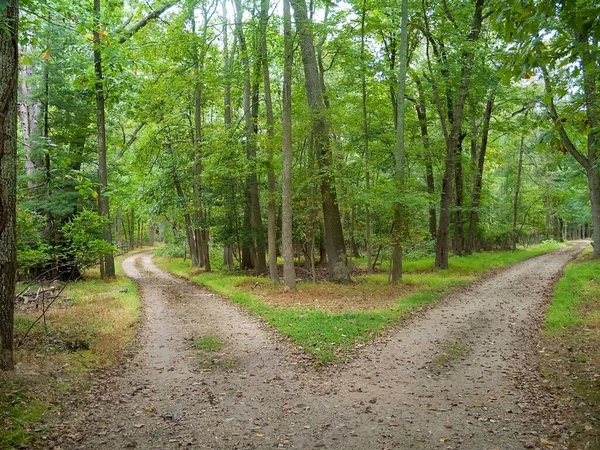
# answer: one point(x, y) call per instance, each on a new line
point(207, 344)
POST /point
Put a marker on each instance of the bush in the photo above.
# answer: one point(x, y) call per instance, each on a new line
point(32, 252)
point(170, 251)
point(85, 234)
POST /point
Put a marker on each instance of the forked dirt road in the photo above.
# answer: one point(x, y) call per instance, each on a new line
point(459, 375)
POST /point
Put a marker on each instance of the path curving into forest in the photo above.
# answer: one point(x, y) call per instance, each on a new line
point(460, 374)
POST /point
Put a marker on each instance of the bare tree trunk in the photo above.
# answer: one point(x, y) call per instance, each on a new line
point(400, 212)
point(478, 179)
point(103, 206)
point(9, 60)
point(441, 250)
point(250, 111)
point(421, 107)
point(289, 271)
point(30, 112)
point(516, 200)
point(336, 247)
point(365, 118)
point(272, 207)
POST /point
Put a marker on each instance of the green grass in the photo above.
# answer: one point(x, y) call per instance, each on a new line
point(578, 288)
point(572, 341)
point(90, 330)
point(207, 344)
point(327, 336)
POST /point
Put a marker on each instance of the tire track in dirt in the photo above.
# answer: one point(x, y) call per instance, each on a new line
point(446, 380)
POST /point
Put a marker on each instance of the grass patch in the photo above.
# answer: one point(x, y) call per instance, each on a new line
point(571, 340)
point(207, 344)
point(88, 328)
point(329, 321)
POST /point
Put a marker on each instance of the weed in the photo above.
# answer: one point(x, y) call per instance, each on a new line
point(207, 344)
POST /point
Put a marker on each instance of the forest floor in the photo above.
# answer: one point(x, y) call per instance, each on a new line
point(463, 373)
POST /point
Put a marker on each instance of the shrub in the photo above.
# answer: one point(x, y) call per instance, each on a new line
point(85, 234)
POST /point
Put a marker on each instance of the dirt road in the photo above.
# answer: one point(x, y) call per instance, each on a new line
point(458, 375)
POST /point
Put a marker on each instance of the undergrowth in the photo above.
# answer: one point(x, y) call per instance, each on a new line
point(327, 336)
point(88, 328)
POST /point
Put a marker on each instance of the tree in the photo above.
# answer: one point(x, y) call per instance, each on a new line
point(9, 19)
point(289, 271)
point(337, 262)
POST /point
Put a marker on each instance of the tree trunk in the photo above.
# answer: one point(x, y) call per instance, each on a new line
point(103, 205)
point(289, 271)
point(250, 114)
point(365, 118)
point(272, 207)
point(421, 107)
point(30, 112)
point(594, 186)
point(441, 250)
point(516, 200)
point(9, 60)
point(459, 237)
point(478, 179)
point(400, 212)
point(336, 247)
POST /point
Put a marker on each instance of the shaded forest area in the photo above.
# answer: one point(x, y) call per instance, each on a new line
point(237, 132)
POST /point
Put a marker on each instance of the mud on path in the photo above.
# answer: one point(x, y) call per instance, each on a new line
point(451, 378)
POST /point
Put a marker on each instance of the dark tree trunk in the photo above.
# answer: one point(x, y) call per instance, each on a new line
point(9, 56)
point(441, 251)
point(459, 237)
point(478, 178)
point(336, 247)
point(103, 206)
point(516, 200)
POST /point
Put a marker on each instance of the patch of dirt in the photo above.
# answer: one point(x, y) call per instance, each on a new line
point(257, 392)
point(359, 296)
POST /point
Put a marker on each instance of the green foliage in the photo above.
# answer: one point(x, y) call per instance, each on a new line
point(32, 251)
point(85, 234)
point(170, 251)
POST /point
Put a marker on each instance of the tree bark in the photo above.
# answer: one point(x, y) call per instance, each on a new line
point(9, 60)
point(478, 179)
point(400, 212)
point(441, 251)
point(103, 204)
point(516, 199)
point(250, 111)
point(289, 271)
point(365, 117)
point(336, 247)
point(272, 206)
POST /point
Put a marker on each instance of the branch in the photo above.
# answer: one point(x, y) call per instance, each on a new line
point(566, 140)
point(137, 26)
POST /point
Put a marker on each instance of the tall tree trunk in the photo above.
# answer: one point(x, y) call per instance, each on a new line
point(478, 179)
point(400, 211)
point(365, 119)
point(289, 271)
point(9, 60)
point(272, 207)
point(516, 199)
point(250, 113)
point(103, 206)
point(458, 244)
point(200, 226)
point(441, 250)
point(30, 112)
point(336, 247)
point(421, 108)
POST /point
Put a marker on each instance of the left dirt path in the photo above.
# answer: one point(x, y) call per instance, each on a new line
point(171, 395)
